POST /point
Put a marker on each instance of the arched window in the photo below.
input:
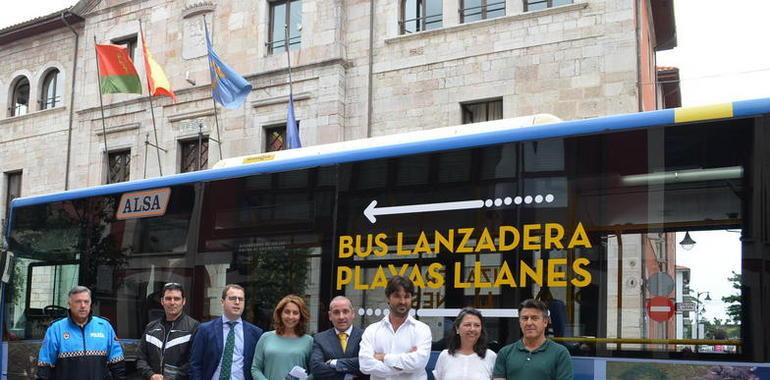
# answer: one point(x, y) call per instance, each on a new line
point(419, 15)
point(51, 95)
point(20, 97)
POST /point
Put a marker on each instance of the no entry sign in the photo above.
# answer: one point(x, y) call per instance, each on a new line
point(660, 308)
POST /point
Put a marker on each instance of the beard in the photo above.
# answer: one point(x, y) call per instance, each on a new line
point(399, 311)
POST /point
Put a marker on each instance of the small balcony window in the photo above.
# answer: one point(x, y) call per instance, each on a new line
point(285, 14)
point(475, 10)
point(419, 15)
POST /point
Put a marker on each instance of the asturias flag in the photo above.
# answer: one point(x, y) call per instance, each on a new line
point(116, 70)
point(228, 88)
point(292, 132)
point(157, 82)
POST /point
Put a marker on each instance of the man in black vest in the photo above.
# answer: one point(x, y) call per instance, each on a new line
point(335, 351)
point(164, 350)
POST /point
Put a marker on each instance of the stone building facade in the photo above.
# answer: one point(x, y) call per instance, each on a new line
point(359, 68)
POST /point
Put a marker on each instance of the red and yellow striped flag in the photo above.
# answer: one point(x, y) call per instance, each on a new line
point(157, 82)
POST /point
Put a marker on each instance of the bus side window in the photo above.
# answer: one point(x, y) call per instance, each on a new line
point(47, 297)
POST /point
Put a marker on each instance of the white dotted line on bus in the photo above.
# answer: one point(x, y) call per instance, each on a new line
point(527, 199)
point(378, 312)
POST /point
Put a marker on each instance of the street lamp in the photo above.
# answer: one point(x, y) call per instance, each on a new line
point(699, 311)
point(687, 243)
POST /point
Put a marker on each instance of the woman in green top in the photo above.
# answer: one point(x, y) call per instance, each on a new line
point(287, 346)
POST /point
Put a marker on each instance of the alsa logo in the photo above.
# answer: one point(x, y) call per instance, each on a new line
point(143, 204)
point(97, 335)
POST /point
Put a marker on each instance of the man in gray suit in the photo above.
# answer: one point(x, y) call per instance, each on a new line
point(335, 351)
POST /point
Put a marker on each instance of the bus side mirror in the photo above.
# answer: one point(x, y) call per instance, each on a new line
point(6, 264)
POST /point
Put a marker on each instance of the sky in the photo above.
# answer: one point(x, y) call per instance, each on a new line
point(713, 258)
point(721, 58)
point(719, 54)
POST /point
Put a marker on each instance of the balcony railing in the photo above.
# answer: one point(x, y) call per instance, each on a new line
point(419, 24)
point(481, 12)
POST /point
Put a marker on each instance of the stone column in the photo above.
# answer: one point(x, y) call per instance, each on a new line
point(513, 7)
point(451, 13)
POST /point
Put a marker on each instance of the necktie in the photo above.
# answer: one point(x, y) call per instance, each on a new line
point(227, 355)
point(343, 341)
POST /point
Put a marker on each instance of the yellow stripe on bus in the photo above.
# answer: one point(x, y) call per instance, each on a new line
point(714, 111)
point(259, 158)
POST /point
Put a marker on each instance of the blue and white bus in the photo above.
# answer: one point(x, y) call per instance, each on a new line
point(646, 234)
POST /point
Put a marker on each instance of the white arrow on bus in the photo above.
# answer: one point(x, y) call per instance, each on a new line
point(372, 210)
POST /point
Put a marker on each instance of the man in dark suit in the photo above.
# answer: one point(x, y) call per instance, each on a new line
point(223, 348)
point(335, 351)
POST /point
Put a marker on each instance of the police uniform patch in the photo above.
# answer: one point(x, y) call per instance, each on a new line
point(66, 335)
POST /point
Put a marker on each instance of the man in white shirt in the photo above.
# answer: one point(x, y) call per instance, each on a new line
point(398, 346)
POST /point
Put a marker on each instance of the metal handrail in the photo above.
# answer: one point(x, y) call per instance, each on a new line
point(420, 25)
point(421, 18)
point(482, 8)
point(292, 41)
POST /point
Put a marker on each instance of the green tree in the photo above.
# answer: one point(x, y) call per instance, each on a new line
point(273, 273)
point(734, 300)
point(715, 329)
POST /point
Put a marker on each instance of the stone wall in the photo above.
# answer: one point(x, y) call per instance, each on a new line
point(35, 143)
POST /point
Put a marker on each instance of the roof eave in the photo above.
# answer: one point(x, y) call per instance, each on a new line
point(38, 26)
point(664, 24)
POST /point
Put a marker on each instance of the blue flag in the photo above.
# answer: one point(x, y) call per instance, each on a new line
point(228, 88)
point(292, 132)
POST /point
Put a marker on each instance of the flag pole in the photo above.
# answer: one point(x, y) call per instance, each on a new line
point(216, 122)
point(288, 56)
point(292, 129)
point(101, 102)
point(213, 101)
point(152, 110)
point(146, 144)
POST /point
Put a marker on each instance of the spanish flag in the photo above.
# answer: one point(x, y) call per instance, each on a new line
point(116, 70)
point(157, 82)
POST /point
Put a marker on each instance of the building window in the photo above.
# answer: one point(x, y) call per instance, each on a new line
point(533, 5)
point(52, 87)
point(275, 138)
point(482, 111)
point(419, 15)
point(195, 154)
point(119, 166)
point(279, 20)
point(12, 191)
point(474, 10)
point(129, 43)
point(20, 97)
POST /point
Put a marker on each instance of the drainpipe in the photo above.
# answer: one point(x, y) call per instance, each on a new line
point(72, 102)
point(639, 84)
point(371, 67)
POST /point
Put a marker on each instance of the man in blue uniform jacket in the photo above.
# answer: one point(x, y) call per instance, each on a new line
point(223, 348)
point(80, 346)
